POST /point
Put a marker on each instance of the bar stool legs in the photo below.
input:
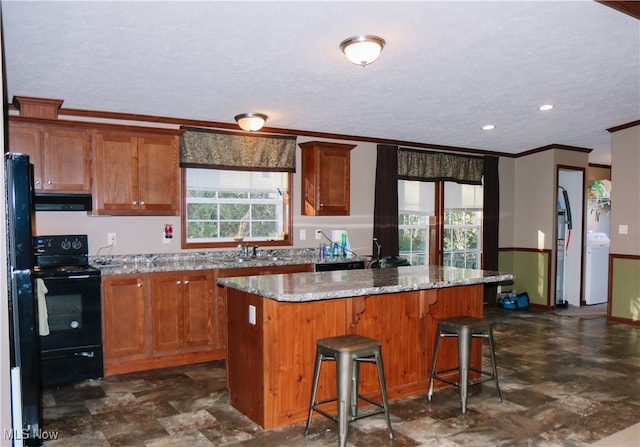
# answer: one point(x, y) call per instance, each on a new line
point(465, 329)
point(348, 351)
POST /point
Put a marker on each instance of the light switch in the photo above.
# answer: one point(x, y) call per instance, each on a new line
point(623, 229)
point(303, 235)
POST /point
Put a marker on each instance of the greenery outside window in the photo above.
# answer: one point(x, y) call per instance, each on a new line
point(462, 235)
point(462, 238)
point(461, 220)
point(415, 210)
point(223, 208)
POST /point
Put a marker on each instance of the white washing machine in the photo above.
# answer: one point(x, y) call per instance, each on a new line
point(597, 268)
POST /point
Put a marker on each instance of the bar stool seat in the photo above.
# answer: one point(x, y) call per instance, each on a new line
point(464, 328)
point(348, 351)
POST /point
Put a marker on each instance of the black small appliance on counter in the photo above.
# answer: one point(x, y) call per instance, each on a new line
point(68, 296)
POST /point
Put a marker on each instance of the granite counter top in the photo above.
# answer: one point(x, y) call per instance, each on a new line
point(301, 287)
point(150, 263)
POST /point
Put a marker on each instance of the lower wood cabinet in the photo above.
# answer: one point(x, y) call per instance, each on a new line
point(182, 312)
point(156, 320)
point(124, 321)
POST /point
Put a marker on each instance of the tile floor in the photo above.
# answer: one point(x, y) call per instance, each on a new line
point(565, 382)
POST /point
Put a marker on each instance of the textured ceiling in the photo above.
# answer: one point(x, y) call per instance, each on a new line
point(448, 67)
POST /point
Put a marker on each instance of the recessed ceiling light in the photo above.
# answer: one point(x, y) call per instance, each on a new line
point(488, 127)
point(545, 107)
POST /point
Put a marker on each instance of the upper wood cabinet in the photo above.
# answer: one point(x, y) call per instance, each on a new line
point(326, 181)
point(61, 155)
point(136, 174)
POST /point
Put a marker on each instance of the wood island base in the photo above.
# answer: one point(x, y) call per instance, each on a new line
point(270, 363)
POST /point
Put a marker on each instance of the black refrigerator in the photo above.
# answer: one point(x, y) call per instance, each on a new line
point(26, 394)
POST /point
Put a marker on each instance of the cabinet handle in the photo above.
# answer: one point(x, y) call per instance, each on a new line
point(178, 282)
point(139, 284)
point(49, 182)
point(142, 203)
point(135, 202)
point(186, 282)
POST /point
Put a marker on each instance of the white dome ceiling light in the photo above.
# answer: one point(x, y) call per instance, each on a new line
point(362, 50)
point(251, 122)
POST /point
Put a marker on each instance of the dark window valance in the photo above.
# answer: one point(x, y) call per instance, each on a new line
point(439, 166)
point(207, 148)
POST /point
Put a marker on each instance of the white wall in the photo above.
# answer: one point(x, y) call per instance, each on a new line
point(572, 181)
point(5, 385)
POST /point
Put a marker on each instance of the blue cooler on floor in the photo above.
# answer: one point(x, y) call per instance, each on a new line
point(513, 301)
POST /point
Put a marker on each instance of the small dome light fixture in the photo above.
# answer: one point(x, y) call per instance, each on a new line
point(251, 121)
point(545, 107)
point(362, 50)
point(488, 127)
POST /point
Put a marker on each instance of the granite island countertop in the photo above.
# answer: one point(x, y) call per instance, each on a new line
point(302, 287)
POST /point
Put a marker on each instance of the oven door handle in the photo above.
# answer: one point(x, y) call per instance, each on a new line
point(64, 355)
point(78, 277)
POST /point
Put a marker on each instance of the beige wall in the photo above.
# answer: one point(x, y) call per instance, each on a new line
point(597, 173)
point(145, 234)
point(534, 201)
point(625, 191)
point(506, 174)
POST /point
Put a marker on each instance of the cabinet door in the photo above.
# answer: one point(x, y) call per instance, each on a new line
point(66, 158)
point(333, 182)
point(123, 317)
point(167, 312)
point(326, 180)
point(28, 140)
point(158, 174)
point(199, 310)
point(116, 174)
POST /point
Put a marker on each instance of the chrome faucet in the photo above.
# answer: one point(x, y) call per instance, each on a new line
point(378, 246)
point(244, 249)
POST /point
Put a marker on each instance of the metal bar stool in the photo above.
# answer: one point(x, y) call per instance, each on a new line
point(465, 329)
point(348, 351)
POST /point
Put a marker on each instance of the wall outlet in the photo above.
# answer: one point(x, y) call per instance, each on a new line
point(318, 235)
point(303, 235)
point(165, 239)
point(252, 314)
point(111, 239)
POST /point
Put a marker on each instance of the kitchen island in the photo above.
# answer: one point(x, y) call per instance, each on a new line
point(273, 322)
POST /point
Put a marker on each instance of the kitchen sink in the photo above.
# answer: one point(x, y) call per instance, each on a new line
point(260, 258)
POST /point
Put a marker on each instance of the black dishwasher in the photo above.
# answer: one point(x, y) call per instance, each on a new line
point(339, 265)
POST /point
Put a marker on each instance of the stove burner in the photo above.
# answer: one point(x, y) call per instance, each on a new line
point(60, 256)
